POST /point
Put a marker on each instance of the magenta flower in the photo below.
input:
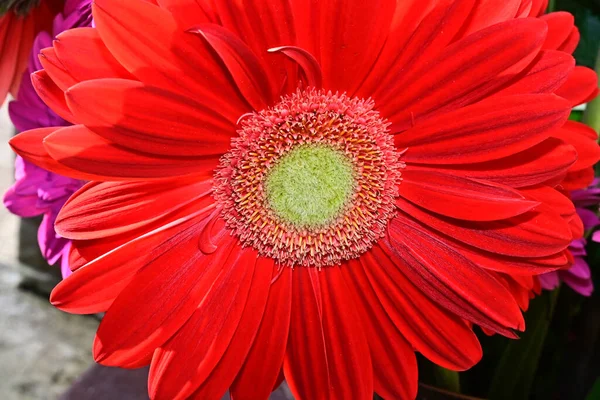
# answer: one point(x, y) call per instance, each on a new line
point(36, 191)
point(579, 276)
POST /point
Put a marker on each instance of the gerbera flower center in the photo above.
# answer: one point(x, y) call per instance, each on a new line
point(310, 185)
point(310, 181)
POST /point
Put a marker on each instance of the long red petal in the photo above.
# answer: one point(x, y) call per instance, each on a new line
point(463, 70)
point(162, 296)
point(79, 148)
point(150, 119)
point(185, 362)
point(158, 52)
point(263, 363)
point(29, 145)
point(394, 362)
point(451, 279)
point(546, 74)
point(462, 198)
point(491, 129)
point(75, 47)
point(242, 64)
point(435, 332)
point(111, 208)
point(548, 161)
point(349, 34)
point(585, 141)
point(244, 340)
point(94, 288)
point(327, 355)
point(582, 86)
point(533, 234)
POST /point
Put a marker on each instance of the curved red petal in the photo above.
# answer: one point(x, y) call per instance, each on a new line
point(79, 148)
point(102, 209)
point(491, 129)
point(435, 332)
point(263, 364)
point(158, 52)
point(533, 234)
point(462, 198)
point(327, 354)
point(394, 362)
point(246, 70)
point(163, 295)
point(149, 119)
point(200, 353)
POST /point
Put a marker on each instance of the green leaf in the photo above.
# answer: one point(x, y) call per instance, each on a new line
point(595, 392)
point(446, 379)
point(516, 370)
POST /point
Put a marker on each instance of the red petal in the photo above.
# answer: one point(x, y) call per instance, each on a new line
point(199, 355)
point(263, 364)
point(229, 366)
point(327, 354)
point(546, 74)
point(394, 362)
point(462, 69)
point(578, 179)
point(190, 12)
point(93, 288)
point(491, 129)
point(242, 64)
point(538, 7)
point(582, 86)
point(462, 198)
point(261, 24)
point(435, 332)
point(111, 208)
point(547, 161)
point(150, 119)
point(585, 141)
point(346, 37)
point(12, 30)
point(570, 44)
point(162, 296)
point(533, 234)
point(51, 94)
point(75, 47)
point(29, 145)
point(552, 197)
point(407, 18)
point(160, 53)
point(453, 280)
point(430, 37)
point(560, 25)
point(310, 66)
point(490, 12)
point(81, 149)
point(55, 69)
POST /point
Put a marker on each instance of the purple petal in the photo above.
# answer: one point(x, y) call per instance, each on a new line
point(584, 287)
point(549, 280)
point(589, 218)
point(51, 244)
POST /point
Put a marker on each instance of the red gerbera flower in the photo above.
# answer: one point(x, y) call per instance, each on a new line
point(398, 154)
point(20, 21)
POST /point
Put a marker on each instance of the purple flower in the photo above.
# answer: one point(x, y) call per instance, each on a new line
point(578, 277)
point(37, 191)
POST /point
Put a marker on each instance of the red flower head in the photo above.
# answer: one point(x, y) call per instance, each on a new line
point(20, 21)
point(322, 186)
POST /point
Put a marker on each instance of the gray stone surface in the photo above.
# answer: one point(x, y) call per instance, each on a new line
point(42, 350)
